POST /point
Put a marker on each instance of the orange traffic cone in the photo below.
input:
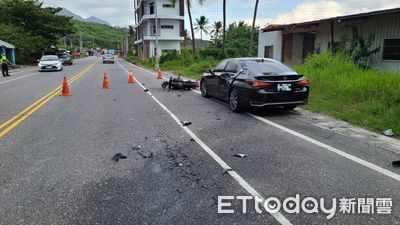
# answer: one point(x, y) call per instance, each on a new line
point(65, 88)
point(106, 84)
point(131, 79)
point(159, 75)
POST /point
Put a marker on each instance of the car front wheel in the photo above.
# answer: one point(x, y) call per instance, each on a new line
point(203, 89)
point(234, 103)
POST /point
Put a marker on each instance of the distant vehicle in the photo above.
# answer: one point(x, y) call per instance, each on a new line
point(50, 63)
point(108, 58)
point(255, 82)
point(76, 54)
point(65, 58)
point(111, 51)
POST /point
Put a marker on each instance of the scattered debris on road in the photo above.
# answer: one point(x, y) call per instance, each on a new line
point(388, 133)
point(137, 147)
point(118, 156)
point(178, 83)
point(240, 155)
point(186, 123)
point(396, 163)
point(226, 171)
point(144, 156)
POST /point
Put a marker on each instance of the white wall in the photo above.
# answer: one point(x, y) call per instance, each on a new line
point(164, 45)
point(273, 38)
point(172, 33)
point(167, 11)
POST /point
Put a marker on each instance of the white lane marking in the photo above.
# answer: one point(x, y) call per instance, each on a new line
point(330, 148)
point(278, 216)
point(17, 78)
point(367, 164)
point(21, 71)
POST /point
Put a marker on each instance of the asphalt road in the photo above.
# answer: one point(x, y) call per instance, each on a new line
point(56, 156)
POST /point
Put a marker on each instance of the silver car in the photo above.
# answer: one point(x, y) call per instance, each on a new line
point(50, 63)
point(108, 58)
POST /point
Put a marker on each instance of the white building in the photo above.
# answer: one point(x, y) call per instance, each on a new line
point(292, 43)
point(170, 30)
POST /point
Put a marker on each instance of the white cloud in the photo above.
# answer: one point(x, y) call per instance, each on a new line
point(325, 9)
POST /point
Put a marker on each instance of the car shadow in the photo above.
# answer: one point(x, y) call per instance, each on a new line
point(264, 111)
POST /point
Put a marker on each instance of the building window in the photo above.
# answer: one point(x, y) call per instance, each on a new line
point(269, 52)
point(391, 49)
point(167, 26)
point(168, 5)
point(151, 5)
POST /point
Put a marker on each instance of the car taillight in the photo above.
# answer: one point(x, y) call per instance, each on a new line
point(303, 82)
point(255, 83)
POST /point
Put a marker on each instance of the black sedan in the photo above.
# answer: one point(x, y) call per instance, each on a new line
point(255, 82)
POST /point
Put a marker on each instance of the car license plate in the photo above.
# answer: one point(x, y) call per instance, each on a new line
point(284, 87)
point(49, 67)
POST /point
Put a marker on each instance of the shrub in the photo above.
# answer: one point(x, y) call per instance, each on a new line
point(339, 87)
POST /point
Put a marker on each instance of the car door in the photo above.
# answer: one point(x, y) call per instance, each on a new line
point(212, 79)
point(231, 71)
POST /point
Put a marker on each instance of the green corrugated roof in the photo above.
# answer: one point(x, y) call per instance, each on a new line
point(7, 45)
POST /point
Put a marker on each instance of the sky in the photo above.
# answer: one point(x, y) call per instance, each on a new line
point(120, 12)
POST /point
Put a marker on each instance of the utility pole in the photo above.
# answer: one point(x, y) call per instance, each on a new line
point(80, 43)
point(65, 43)
point(156, 66)
point(117, 44)
point(126, 43)
point(93, 42)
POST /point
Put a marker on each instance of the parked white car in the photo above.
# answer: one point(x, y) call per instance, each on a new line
point(50, 63)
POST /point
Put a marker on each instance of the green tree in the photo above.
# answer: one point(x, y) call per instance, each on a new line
point(201, 25)
point(357, 48)
point(237, 40)
point(33, 22)
point(216, 28)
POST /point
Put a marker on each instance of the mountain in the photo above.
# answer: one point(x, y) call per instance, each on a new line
point(92, 19)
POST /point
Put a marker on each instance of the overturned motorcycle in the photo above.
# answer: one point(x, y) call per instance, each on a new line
point(178, 83)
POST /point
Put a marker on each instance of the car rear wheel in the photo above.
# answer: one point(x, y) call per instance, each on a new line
point(203, 89)
point(234, 103)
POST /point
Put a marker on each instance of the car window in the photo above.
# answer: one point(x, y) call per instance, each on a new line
point(232, 67)
point(221, 66)
point(49, 58)
point(268, 67)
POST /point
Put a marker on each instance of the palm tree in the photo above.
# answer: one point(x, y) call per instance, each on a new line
point(201, 25)
point(216, 28)
point(224, 27)
point(252, 27)
point(189, 6)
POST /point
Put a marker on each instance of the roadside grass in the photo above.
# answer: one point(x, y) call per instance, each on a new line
point(185, 65)
point(369, 98)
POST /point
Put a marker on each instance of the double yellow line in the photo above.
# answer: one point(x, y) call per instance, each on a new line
point(28, 111)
